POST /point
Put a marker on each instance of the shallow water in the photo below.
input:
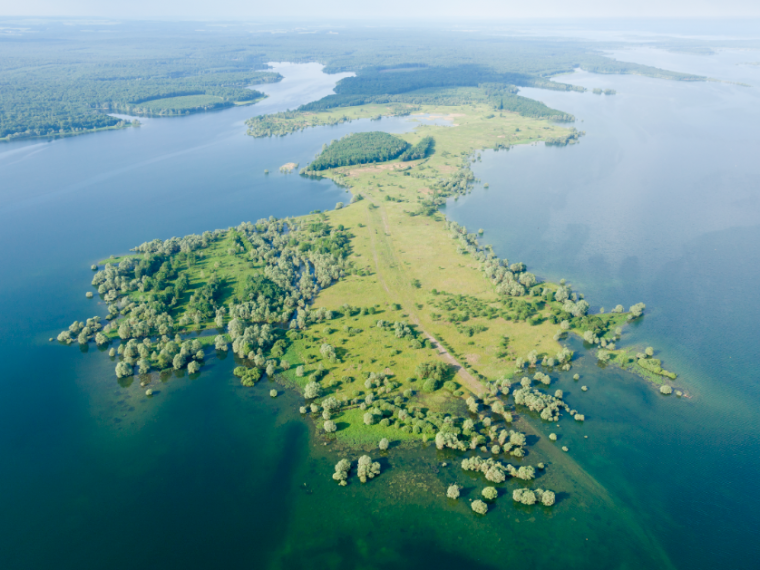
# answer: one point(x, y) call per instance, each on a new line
point(207, 473)
point(658, 203)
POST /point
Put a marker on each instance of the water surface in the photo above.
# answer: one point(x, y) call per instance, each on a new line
point(658, 203)
point(210, 474)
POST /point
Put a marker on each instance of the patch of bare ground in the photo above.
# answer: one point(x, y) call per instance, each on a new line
point(378, 168)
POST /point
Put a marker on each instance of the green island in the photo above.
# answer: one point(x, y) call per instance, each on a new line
point(394, 323)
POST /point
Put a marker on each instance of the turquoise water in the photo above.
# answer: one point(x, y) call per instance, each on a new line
point(208, 474)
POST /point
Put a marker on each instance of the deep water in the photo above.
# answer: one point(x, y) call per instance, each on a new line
point(209, 474)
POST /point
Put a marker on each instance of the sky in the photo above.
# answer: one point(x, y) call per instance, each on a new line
point(387, 10)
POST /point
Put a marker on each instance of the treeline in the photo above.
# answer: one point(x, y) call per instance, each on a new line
point(571, 138)
point(360, 148)
point(44, 92)
point(420, 150)
point(504, 97)
point(55, 80)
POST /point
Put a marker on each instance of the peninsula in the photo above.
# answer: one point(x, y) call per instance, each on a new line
point(395, 323)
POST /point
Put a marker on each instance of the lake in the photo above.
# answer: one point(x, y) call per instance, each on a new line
point(647, 207)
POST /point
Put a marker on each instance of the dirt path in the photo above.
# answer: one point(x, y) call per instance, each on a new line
point(472, 383)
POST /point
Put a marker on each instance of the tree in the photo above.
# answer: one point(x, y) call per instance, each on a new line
point(369, 418)
point(123, 369)
point(220, 343)
point(330, 426)
point(178, 361)
point(367, 469)
point(193, 367)
point(273, 393)
point(383, 445)
point(125, 331)
point(300, 371)
point(548, 498)
point(341, 471)
point(479, 507)
point(490, 493)
point(636, 310)
point(312, 390)
point(524, 496)
point(665, 389)
point(453, 492)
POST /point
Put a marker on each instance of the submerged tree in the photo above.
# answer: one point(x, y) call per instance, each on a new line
point(341, 472)
point(479, 507)
point(367, 469)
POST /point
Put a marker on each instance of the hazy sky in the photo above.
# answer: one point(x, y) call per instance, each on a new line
point(385, 9)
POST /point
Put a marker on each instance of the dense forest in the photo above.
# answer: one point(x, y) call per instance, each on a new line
point(361, 148)
point(61, 77)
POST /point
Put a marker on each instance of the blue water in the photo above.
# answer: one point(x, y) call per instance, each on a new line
point(207, 474)
point(658, 203)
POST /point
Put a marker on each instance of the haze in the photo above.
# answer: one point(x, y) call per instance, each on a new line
point(388, 10)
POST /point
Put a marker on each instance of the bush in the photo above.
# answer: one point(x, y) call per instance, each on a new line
point(248, 376)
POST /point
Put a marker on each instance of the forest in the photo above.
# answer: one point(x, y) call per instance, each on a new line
point(57, 80)
point(361, 148)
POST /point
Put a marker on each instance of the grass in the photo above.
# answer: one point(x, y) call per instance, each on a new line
point(403, 267)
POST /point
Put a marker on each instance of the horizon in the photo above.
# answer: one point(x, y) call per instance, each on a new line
point(345, 10)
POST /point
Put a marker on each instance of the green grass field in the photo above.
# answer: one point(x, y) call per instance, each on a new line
point(404, 267)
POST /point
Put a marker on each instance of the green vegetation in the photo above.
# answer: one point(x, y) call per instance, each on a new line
point(360, 148)
point(56, 80)
point(422, 149)
point(395, 324)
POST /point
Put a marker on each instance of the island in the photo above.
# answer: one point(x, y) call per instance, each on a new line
point(393, 322)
